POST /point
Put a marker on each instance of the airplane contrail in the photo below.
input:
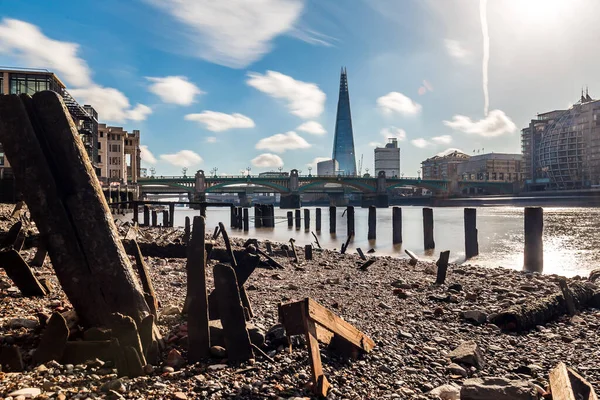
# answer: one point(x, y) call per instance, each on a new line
point(486, 53)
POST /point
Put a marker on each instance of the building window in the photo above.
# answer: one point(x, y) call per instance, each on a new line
point(1, 158)
point(99, 158)
point(99, 146)
point(101, 134)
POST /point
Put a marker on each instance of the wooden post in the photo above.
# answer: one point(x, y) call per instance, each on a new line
point(306, 219)
point(144, 275)
point(442, 265)
point(257, 216)
point(428, 229)
point(396, 225)
point(237, 340)
point(154, 218)
point(232, 217)
point(568, 296)
point(135, 212)
point(308, 252)
point(172, 215)
point(197, 312)
point(318, 219)
point(292, 241)
point(40, 254)
point(290, 219)
point(59, 185)
point(165, 219)
point(186, 230)
point(534, 244)
point(298, 217)
point(19, 272)
point(146, 216)
point(246, 220)
point(350, 220)
point(566, 384)
point(471, 245)
point(269, 248)
point(272, 215)
point(361, 254)
point(372, 223)
point(332, 219)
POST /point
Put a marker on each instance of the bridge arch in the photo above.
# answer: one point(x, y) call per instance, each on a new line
point(261, 183)
point(364, 188)
point(434, 187)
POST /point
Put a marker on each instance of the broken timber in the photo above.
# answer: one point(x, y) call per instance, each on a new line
point(319, 324)
point(566, 384)
point(19, 272)
point(147, 286)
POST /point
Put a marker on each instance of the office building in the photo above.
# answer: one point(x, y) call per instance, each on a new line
point(498, 167)
point(343, 141)
point(443, 166)
point(387, 159)
point(327, 168)
point(119, 156)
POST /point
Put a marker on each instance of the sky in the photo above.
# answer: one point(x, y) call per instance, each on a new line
point(253, 84)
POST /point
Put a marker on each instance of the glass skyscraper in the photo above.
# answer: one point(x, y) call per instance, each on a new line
point(343, 142)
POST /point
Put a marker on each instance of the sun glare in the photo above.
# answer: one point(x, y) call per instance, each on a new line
point(539, 11)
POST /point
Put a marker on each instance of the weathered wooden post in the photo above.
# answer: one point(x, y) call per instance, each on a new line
point(442, 267)
point(186, 230)
point(197, 311)
point(232, 217)
point(471, 244)
point(154, 218)
point(165, 219)
point(257, 216)
point(136, 212)
point(332, 219)
point(318, 219)
point(146, 216)
point(246, 221)
point(428, 229)
point(272, 215)
point(308, 252)
point(350, 220)
point(306, 219)
point(172, 215)
point(396, 225)
point(372, 223)
point(297, 220)
point(534, 244)
point(290, 219)
point(240, 217)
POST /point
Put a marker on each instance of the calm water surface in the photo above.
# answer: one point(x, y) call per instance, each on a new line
point(571, 235)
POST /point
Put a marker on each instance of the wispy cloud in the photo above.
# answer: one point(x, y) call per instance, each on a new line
point(146, 155)
point(443, 139)
point(393, 133)
point(312, 127)
point(420, 143)
point(183, 158)
point(456, 50)
point(234, 33)
point(211, 139)
point(267, 160)
point(496, 123)
point(312, 37)
point(218, 122)
point(395, 102)
point(303, 99)
point(174, 89)
point(281, 142)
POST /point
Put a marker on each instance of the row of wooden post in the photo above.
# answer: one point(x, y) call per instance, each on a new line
point(264, 216)
point(167, 216)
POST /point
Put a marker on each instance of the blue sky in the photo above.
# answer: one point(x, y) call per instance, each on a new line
point(240, 83)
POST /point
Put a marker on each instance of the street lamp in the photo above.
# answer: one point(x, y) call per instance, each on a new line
point(184, 170)
point(309, 170)
point(152, 171)
point(419, 173)
point(248, 169)
point(280, 169)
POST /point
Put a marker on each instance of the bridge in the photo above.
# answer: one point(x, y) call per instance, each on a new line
point(374, 190)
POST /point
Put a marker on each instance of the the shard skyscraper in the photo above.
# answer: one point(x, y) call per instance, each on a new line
point(343, 142)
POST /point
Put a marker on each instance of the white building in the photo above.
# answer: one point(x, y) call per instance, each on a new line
point(327, 168)
point(387, 159)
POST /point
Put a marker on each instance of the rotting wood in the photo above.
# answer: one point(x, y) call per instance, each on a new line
point(216, 232)
point(144, 276)
point(566, 384)
point(186, 231)
point(270, 260)
point(80, 351)
point(11, 359)
point(18, 244)
point(361, 254)
point(135, 365)
point(442, 267)
point(125, 330)
point(40, 254)
point(317, 240)
point(320, 382)
point(308, 252)
point(568, 296)
point(237, 340)
point(227, 244)
point(345, 245)
point(18, 209)
point(269, 248)
point(197, 312)
point(53, 340)
point(19, 272)
point(367, 264)
point(413, 258)
point(292, 241)
point(12, 235)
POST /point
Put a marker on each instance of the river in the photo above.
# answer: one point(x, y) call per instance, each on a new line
point(571, 235)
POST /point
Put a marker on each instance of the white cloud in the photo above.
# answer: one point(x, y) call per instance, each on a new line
point(218, 122)
point(456, 50)
point(317, 160)
point(443, 139)
point(496, 123)
point(397, 102)
point(267, 160)
point(174, 89)
point(29, 45)
point(234, 33)
point(281, 142)
point(393, 132)
point(375, 144)
point(146, 155)
point(420, 143)
point(111, 104)
point(183, 158)
point(304, 99)
point(312, 127)
point(448, 151)
point(211, 139)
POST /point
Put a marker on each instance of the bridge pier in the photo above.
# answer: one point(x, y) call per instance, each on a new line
point(244, 202)
point(337, 200)
point(374, 199)
point(290, 201)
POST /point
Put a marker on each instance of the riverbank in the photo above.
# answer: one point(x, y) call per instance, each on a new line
point(414, 323)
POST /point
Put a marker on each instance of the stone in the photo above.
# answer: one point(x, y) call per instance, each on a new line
point(467, 353)
point(456, 369)
point(404, 334)
point(218, 351)
point(497, 389)
point(179, 396)
point(175, 359)
point(170, 310)
point(115, 384)
point(276, 335)
point(476, 317)
point(385, 306)
point(430, 269)
point(456, 287)
point(446, 392)
point(96, 334)
point(216, 367)
point(17, 323)
point(27, 393)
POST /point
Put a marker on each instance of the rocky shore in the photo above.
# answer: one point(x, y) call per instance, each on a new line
point(427, 336)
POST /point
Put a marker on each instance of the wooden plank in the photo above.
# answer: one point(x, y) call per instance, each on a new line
point(144, 275)
point(290, 316)
point(329, 320)
point(12, 235)
point(361, 254)
point(566, 384)
point(40, 254)
point(367, 264)
point(320, 383)
point(197, 312)
point(125, 330)
point(237, 340)
point(292, 241)
point(19, 272)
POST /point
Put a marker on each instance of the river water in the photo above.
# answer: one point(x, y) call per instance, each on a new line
point(571, 235)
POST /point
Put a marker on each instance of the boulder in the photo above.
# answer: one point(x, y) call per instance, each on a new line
point(497, 389)
point(467, 353)
point(476, 317)
point(27, 393)
point(446, 392)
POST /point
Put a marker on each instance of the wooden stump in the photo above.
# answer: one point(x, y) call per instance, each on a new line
point(396, 225)
point(19, 272)
point(428, 242)
point(318, 219)
point(471, 244)
point(350, 220)
point(308, 252)
point(53, 341)
point(306, 219)
point(534, 244)
point(372, 234)
point(442, 267)
point(332, 219)
point(125, 330)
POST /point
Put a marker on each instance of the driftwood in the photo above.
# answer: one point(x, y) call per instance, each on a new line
point(566, 384)
point(367, 264)
point(413, 258)
point(292, 241)
point(270, 260)
point(345, 245)
point(523, 317)
point(317, 239)
point(19, 272)
point(361, 254)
